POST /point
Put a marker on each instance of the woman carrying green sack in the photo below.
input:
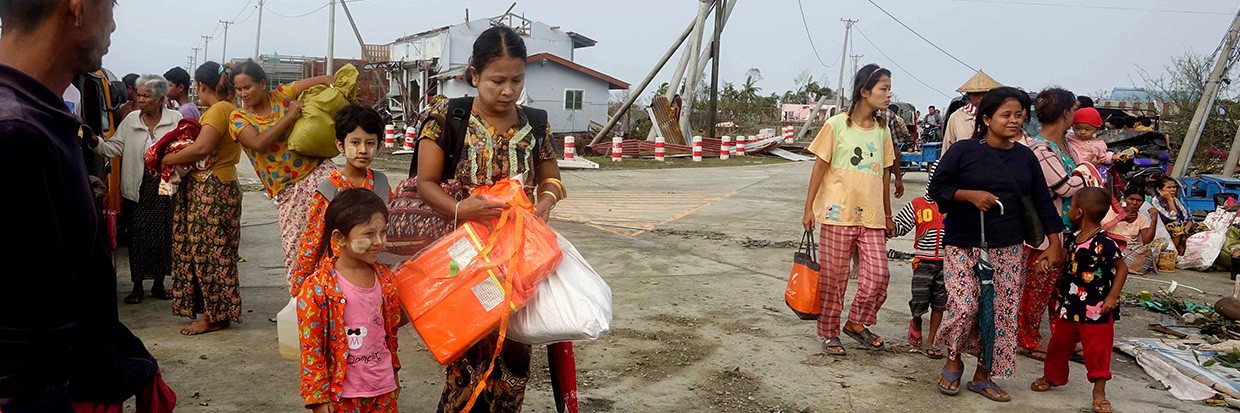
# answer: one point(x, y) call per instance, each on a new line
point(262, 125)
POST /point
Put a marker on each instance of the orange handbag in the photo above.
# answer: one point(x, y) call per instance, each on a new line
point(802, 292)
point(463, 286)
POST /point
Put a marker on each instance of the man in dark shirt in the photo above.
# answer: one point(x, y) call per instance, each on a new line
point(60, 337)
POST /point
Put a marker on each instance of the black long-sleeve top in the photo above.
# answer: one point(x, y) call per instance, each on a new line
point(58, 318)
point(967, 166)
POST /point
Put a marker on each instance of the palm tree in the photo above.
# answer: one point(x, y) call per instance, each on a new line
point(749, 91)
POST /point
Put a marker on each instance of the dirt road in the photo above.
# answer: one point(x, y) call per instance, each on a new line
point(696, 259)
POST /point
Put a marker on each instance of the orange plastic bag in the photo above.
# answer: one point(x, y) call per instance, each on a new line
point(461, 287)
point(801, 293)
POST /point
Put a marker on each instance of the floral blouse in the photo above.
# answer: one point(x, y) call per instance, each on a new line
point(308, 246)
point(277, 166)
point(320, 325)
point(491, 156)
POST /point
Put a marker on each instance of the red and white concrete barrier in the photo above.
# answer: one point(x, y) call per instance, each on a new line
point(409, 138)
point(697, 149)
point(570, 148)
point(617, 149)
point(660, 149)
point(389, 136)
point(789, 134)
point(725, 148)
point(740, 145)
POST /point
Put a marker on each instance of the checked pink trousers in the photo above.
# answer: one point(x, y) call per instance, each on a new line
point(836, 245)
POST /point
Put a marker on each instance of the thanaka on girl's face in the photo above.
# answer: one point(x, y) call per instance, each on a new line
point(359, 148)
point(365, 240)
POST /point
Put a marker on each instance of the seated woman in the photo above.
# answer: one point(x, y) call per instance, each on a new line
point(1178, 219)
point(1137, 232)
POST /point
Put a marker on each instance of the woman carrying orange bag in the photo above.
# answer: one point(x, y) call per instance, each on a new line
point(500, 140)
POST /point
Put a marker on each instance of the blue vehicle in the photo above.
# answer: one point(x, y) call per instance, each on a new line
point(921, 160)
point(1202, 195)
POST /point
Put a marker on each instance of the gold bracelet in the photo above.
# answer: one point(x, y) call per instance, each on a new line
point(559, 185)
point(557, 199)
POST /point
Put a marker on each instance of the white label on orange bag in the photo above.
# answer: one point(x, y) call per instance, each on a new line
point(462, 252)
point(489, 294)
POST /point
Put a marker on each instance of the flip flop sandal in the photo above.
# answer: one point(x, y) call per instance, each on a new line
point(1103, 406)
point(866, 338)
point(1035, 354)
point(1040, 385)
point(914, 334)
point(981, 388)
point(933, 353)
point(953, 377)
point(834, 342)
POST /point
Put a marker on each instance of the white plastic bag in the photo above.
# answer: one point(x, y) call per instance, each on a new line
point(286, 331)
point(573, 303)
point(1219, 220)
point(1201, 249)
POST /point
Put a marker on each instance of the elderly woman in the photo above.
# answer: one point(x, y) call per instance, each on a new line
point(207, 221)
point(262, 125)
point(973, 178)
point(151, 247)
point(1055, 108)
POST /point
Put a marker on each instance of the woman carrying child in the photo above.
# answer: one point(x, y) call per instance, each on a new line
point(348, 313)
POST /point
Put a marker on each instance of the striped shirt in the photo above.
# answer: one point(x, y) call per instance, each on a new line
point(923, 215)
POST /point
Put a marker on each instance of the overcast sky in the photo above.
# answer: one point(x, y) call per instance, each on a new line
point(1030, 46)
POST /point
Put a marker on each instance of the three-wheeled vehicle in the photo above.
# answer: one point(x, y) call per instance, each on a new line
point(1203, 194)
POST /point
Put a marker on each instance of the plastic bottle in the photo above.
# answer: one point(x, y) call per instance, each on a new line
point(286, 330)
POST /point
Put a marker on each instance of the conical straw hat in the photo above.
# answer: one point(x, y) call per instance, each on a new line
point(979, 83)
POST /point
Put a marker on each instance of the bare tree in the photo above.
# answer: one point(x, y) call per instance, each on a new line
point(1180, 88)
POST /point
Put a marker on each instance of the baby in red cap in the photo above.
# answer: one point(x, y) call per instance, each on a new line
point(1083, 143)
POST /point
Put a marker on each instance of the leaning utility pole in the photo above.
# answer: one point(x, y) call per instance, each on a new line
point(1198, 124)
point(224, 52)
point(331, 37)
point(691, 78)
point(714, 69)
point(365, 57)
point(258, 38)
point(615, 118)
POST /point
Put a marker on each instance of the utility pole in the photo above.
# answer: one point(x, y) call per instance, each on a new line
point(714, 69)
point(1195, 127)
point(365, 57)
point(195, 64)
point(224, 52)
point(839, 93)
point(258, 38)
point(206, 44)
point(856, 58)
point(331, 37)
point(691, 78)
point(628, 103)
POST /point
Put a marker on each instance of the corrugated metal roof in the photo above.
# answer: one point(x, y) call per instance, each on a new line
point(612, 83)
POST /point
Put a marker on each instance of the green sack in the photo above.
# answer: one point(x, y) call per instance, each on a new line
point(314, 134)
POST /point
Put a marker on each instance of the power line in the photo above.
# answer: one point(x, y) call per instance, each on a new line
point(811, 37)
point(324, 6)
point(922, 37)
point(248, 16)
point(902, 69)
point(1084, 6)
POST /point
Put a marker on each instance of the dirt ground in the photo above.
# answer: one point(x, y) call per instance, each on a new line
point(697, 260)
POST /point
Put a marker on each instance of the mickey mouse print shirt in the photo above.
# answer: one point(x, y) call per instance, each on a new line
point(368, 371)
point(1087, 279)
point(852, 190)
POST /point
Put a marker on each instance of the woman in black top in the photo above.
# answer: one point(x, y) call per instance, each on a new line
point(973, 178)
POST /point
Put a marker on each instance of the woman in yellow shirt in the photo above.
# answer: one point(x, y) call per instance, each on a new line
point(849, 198)
point(206, 224)
point(262, 125)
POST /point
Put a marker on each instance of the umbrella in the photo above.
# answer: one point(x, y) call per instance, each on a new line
point(986, 309)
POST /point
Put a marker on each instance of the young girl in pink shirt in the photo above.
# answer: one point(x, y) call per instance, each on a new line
point(348, 313)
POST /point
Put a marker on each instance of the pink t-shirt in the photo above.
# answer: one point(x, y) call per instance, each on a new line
point(369, 371)
point(1092, 151)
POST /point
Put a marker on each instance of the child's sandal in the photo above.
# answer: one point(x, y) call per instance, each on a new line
point(1040, 385)
point(1103, 406)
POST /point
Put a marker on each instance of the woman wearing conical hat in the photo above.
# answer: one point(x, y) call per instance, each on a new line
point(960, 123)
